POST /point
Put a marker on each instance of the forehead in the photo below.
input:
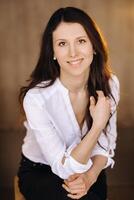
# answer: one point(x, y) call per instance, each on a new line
point(67, 30)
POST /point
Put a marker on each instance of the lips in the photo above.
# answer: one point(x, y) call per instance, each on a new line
point(75, 62)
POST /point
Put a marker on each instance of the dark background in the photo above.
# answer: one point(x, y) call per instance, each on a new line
point(21, 26)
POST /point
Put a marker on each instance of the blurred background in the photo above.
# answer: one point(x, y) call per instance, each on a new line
point(21, 27)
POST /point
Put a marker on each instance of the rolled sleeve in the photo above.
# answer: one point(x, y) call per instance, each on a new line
point(70, 165)
point(51, 145)
point(73, 165)
point(98, 150)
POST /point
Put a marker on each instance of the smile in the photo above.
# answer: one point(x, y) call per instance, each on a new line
point(75, 62)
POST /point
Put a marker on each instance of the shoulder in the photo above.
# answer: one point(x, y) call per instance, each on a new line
point(114, 82)
point(40, 93)
point(115, 87)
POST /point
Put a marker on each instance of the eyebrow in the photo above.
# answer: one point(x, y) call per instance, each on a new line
point(84, 36)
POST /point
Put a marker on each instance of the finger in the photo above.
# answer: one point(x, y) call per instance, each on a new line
point(100, 93)
point(66, 188)
point(66, 182)
point(70, 181)
point(77, 191)
point(73, 191)
point(92, 101)
point(77, 182)
point(77, 187)
point(76, 196)
point(72, 177)
point(92, 104)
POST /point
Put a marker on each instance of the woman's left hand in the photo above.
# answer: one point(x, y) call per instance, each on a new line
point(77, 185)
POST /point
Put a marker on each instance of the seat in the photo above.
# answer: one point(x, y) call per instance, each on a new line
point(18, 195)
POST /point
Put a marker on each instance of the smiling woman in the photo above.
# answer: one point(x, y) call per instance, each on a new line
point(72, 49)
point(70, 109)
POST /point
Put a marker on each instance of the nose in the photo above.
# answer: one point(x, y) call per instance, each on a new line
point(72, 50)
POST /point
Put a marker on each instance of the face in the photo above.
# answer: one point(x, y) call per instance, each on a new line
point(72, 49)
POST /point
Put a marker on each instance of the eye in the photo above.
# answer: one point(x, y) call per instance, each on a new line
point(82, 41)
point(61, 44)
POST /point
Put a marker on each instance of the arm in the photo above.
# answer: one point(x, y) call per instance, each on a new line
point(99, 162)
point(108, 140)
point(101, 158)
point(100, 113)
point(46, 136)
point(52, 146)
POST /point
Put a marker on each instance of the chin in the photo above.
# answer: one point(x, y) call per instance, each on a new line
point(79, 74)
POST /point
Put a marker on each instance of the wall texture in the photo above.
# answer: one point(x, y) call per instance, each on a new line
point(21, 26)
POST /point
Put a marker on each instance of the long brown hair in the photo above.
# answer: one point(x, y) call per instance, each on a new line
point(49, 69)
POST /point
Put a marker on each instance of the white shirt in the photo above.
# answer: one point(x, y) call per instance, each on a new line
point(52, 130)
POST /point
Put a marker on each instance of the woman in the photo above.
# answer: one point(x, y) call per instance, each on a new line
point(70, 107)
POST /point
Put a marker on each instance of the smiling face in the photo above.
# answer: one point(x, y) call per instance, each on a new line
point(72, 49)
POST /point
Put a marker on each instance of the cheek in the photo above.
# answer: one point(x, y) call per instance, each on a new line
point(88, 54)
point(61, 58)
point(87, 51)
point(60, 54)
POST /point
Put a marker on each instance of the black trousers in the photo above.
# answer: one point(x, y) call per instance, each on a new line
point(37, 182)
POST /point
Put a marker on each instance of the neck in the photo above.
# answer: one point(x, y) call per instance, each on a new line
point(75, 84)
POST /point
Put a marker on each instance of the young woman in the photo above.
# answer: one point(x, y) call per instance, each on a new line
point(70, 108)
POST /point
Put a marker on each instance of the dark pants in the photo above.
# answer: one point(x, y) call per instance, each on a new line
point(37, 182)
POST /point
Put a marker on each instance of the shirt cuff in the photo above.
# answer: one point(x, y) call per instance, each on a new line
point(73, 165)
point(76, 167)
point(110, 161)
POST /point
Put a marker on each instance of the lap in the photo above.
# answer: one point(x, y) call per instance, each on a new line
point(37, 182)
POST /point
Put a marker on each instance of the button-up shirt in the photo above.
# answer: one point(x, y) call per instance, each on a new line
point(52, 130)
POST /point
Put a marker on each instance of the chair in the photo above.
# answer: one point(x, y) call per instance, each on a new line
point(18, 195)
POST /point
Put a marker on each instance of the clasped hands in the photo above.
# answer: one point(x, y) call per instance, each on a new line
point(77, 185)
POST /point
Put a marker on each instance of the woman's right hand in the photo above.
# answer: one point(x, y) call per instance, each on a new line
point(100, 110)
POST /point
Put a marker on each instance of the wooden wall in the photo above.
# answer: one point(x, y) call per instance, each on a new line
point(21, 26)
